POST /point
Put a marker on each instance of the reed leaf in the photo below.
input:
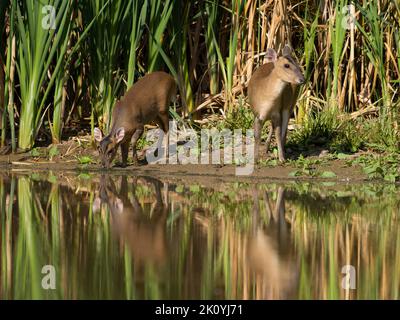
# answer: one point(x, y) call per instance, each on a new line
point(37, 48)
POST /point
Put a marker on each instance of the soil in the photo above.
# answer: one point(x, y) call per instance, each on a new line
point(69, 153)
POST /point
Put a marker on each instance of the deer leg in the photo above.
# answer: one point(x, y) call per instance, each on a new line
point(285, 122)
point(277, 123)
point(124, 152)
point(136, 136)
point(258, 124)
point(163, 122)
point(269, 138)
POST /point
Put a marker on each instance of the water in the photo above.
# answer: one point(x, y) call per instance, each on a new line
point(114, 237)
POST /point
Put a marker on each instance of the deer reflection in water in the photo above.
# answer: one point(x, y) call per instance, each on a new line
point(140, 228)
point(270, 249)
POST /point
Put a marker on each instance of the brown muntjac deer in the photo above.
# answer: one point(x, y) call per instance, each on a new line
point(146, 101)
point(272, 93)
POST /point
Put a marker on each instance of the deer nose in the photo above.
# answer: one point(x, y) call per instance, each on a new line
point(301, 80)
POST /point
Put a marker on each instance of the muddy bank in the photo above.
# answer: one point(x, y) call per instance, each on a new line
point(189, 171)
point(79, 155)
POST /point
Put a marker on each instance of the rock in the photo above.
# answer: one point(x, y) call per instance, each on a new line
point(323, 153)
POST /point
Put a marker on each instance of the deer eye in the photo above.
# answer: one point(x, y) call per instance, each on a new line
point(287, 66)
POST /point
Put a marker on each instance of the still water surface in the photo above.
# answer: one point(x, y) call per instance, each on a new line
point(119, 237)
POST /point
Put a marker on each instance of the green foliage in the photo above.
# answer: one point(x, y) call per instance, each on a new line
point(319, 128)
point(35, 152)
point(53, 151)
point(142, 142)
point(268, 162)
point(240, 117)
point(85, 160)
point(350, 137)
point(307, 167)
point(382, 136)
point(374, 46)
point(104, 50)
point(328, 174)
point(380, 166)
point(37, 48)
point(340, 134)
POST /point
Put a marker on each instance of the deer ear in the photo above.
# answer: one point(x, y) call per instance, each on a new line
point(271, 55)
point(120, 134)
point(98, 136)
point(287, 51)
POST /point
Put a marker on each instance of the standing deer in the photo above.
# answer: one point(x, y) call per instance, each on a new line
point(272, 95)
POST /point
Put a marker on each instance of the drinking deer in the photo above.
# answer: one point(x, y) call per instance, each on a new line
point(272, 93)
point(146, 101)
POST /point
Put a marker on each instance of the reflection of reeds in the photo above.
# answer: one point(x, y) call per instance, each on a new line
point(239, 242)
point(6, 207)
point(28, 257)
point(364, 236)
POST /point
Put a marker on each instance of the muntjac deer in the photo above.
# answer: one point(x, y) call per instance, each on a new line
point(146, 101)
point(272, 95)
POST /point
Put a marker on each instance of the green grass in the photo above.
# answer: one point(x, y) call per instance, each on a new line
point(318, 128)
point(385, 166)
point(239, 117)
point(339, 133)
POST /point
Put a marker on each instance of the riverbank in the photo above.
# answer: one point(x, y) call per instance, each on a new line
point(79, 155)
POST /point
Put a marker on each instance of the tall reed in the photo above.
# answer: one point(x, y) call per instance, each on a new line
point(105, 44)
point(38, 43)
